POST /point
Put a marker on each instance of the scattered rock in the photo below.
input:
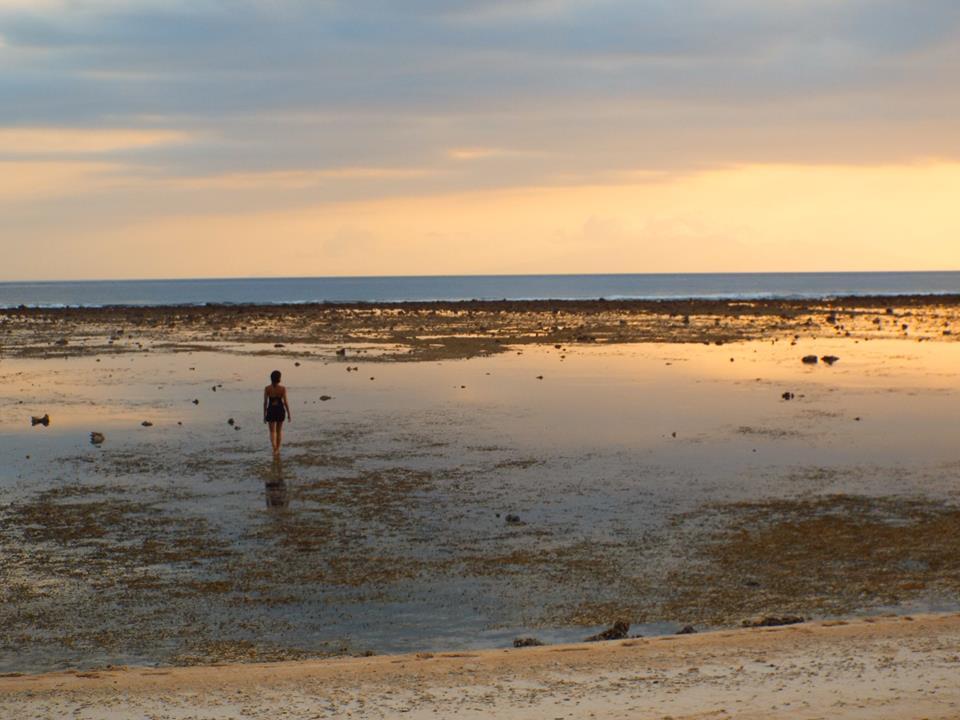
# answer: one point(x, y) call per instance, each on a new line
point(214, 388)
point(97, 438)
point(539, 377)
point(773, 621)
point(788, 395)
point(278, 345)
point(196, 401)
point(513, 519)
point(147, 423)
point(687, 630)
point(829, 359)
point(324, 398)
point(296, 364)
point(617, 632)
point(231, 421)
point(809, 359)
point(45, 420)
point(522, 642)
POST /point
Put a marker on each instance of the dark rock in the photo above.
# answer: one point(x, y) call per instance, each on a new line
point(278, 345)
point(788, 395)
point(97, 438)
point(324, 398)
point(617, 632)
point(539, 377)
point(45, 421)
point(513, 519)
point(773, 621)
point(829, 359)
point(231, 421)
point(809, 359)
point(296, 364)
point(342, 352)
point(147, 423)
point(196, 401)
point(523, 642)
point(687, 630)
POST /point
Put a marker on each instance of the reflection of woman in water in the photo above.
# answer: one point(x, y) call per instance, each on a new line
point(275, 409)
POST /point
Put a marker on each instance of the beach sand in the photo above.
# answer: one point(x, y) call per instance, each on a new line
point(903, 667)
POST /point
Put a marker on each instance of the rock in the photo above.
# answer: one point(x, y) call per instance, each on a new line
point(829, 359)
point(522, 642)
point(618, 631)
point(687, 630)
point(773, 621)
point(513, 519)
point(97, 438)
point(45, 420)
point(196, 401)
point(809, 359)
point(342, 352)
point(539, 377)
point(324, 398)
point(231, 421)
point(147, 423)
point(278, 345)
point(296, 364)
point(557, 347)
point(788, 395)
point(214, 388)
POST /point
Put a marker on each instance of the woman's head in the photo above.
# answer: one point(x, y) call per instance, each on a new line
point(275, 377)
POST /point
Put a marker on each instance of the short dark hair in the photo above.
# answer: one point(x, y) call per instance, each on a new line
point(275, 377)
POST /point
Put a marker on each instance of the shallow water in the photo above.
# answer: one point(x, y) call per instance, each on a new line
point(383, 527)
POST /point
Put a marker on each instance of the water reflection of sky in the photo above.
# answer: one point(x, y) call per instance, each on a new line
point(723, 403)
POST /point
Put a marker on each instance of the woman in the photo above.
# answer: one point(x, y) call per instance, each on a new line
point(275, 409)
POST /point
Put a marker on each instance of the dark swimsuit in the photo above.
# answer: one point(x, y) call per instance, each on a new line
point(275, 410)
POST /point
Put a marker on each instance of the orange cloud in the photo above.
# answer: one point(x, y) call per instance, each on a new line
point(66, 141)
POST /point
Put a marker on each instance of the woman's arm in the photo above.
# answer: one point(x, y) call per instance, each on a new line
point(286, 405)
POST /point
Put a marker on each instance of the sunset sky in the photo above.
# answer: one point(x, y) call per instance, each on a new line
point(189, 138)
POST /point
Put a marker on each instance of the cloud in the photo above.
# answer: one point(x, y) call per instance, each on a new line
point(70, 141)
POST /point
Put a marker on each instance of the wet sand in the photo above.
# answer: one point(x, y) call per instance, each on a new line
point(905, 668)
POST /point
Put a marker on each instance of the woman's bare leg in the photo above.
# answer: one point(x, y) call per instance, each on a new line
point(273, 436)
point(279, 436)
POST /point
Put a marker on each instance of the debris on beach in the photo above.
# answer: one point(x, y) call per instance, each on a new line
point(618, 631)
point(522, 642)
point(773, 621)
point(810, 360)
point(45, 420)
point(97, 438)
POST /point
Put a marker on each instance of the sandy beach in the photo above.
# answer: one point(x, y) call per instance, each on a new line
point(892, 667)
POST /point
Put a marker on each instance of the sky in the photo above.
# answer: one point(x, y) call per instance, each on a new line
point(192, 138)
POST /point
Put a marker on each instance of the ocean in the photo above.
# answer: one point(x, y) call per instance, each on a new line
point(475, 287)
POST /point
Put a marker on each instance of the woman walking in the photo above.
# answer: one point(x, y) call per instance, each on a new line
point(275, 410)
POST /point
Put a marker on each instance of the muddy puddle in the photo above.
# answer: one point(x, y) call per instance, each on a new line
point(458, 504)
